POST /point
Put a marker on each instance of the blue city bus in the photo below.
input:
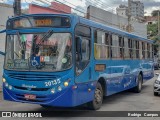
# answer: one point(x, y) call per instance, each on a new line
point(65, 60)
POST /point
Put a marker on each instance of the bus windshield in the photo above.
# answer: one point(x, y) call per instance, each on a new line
point(45, 52)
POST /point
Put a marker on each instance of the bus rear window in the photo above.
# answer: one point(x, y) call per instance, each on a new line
point(38, 21)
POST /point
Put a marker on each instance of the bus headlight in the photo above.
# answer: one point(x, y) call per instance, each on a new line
point(3, 80)
point(59, 88)
point(10, 87)
point(53, 90)
point(66, 84)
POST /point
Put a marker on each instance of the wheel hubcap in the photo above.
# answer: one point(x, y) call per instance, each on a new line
point(98, 96)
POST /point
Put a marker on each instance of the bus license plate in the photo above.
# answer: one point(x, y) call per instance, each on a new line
point(30, 97)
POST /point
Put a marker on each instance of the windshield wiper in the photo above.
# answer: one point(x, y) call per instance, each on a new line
point(19, 40)
point(45, 36)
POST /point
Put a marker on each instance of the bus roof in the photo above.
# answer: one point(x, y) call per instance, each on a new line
point(93, 24)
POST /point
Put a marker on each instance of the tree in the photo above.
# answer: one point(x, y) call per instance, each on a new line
point(156, 44)
point(152, 30)
point(155, 12)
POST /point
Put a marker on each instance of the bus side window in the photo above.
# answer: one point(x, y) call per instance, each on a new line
point(126, 48)
point(101, 45)
point(130, 48)
point(115, 46)
point(111, 42)
point(143, 50)
point(121, 47)
point(137, 49)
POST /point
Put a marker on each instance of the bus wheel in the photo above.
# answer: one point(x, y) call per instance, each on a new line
point(138, 88)
point(98, 98)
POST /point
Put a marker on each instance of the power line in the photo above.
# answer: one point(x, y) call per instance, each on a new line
point(73, 5)
point(100, 3)
point(90, 15)
point(43, 1)
point(78, 11)
point(57, 10)
point(83, 10)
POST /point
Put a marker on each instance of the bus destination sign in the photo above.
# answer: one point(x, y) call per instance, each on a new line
point(43, 22)
point(29, 22)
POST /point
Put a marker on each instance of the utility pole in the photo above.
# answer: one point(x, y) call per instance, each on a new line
point(129, 16)
point(158, 26)
point(17, 7)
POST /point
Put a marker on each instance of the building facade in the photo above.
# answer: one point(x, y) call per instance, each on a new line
point(55, 8)
point(122, 10)
point(116, 21)
point(137, 10)
point(151, 19)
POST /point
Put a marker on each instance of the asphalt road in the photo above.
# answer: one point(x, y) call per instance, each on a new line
point(124, 101)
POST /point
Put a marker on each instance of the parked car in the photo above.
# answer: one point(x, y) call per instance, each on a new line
point(157, 85)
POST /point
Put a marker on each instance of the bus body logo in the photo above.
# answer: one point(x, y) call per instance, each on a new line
point(29, 87)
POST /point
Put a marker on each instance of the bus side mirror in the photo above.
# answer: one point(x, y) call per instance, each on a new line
point(79, 48)
point(2, 53)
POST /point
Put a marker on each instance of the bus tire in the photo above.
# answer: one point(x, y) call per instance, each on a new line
point(98, 98)
point(138, 88)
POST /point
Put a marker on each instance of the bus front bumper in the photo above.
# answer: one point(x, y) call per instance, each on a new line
point(61, 99)
point(68, 97)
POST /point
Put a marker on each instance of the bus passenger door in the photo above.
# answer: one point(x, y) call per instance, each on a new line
point(82, 53)
point(83, 71)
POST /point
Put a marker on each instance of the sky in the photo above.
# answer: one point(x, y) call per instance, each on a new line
point(81, 5)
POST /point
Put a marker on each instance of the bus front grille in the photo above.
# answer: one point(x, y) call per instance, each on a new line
point(32, 77)
point(31, 89)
